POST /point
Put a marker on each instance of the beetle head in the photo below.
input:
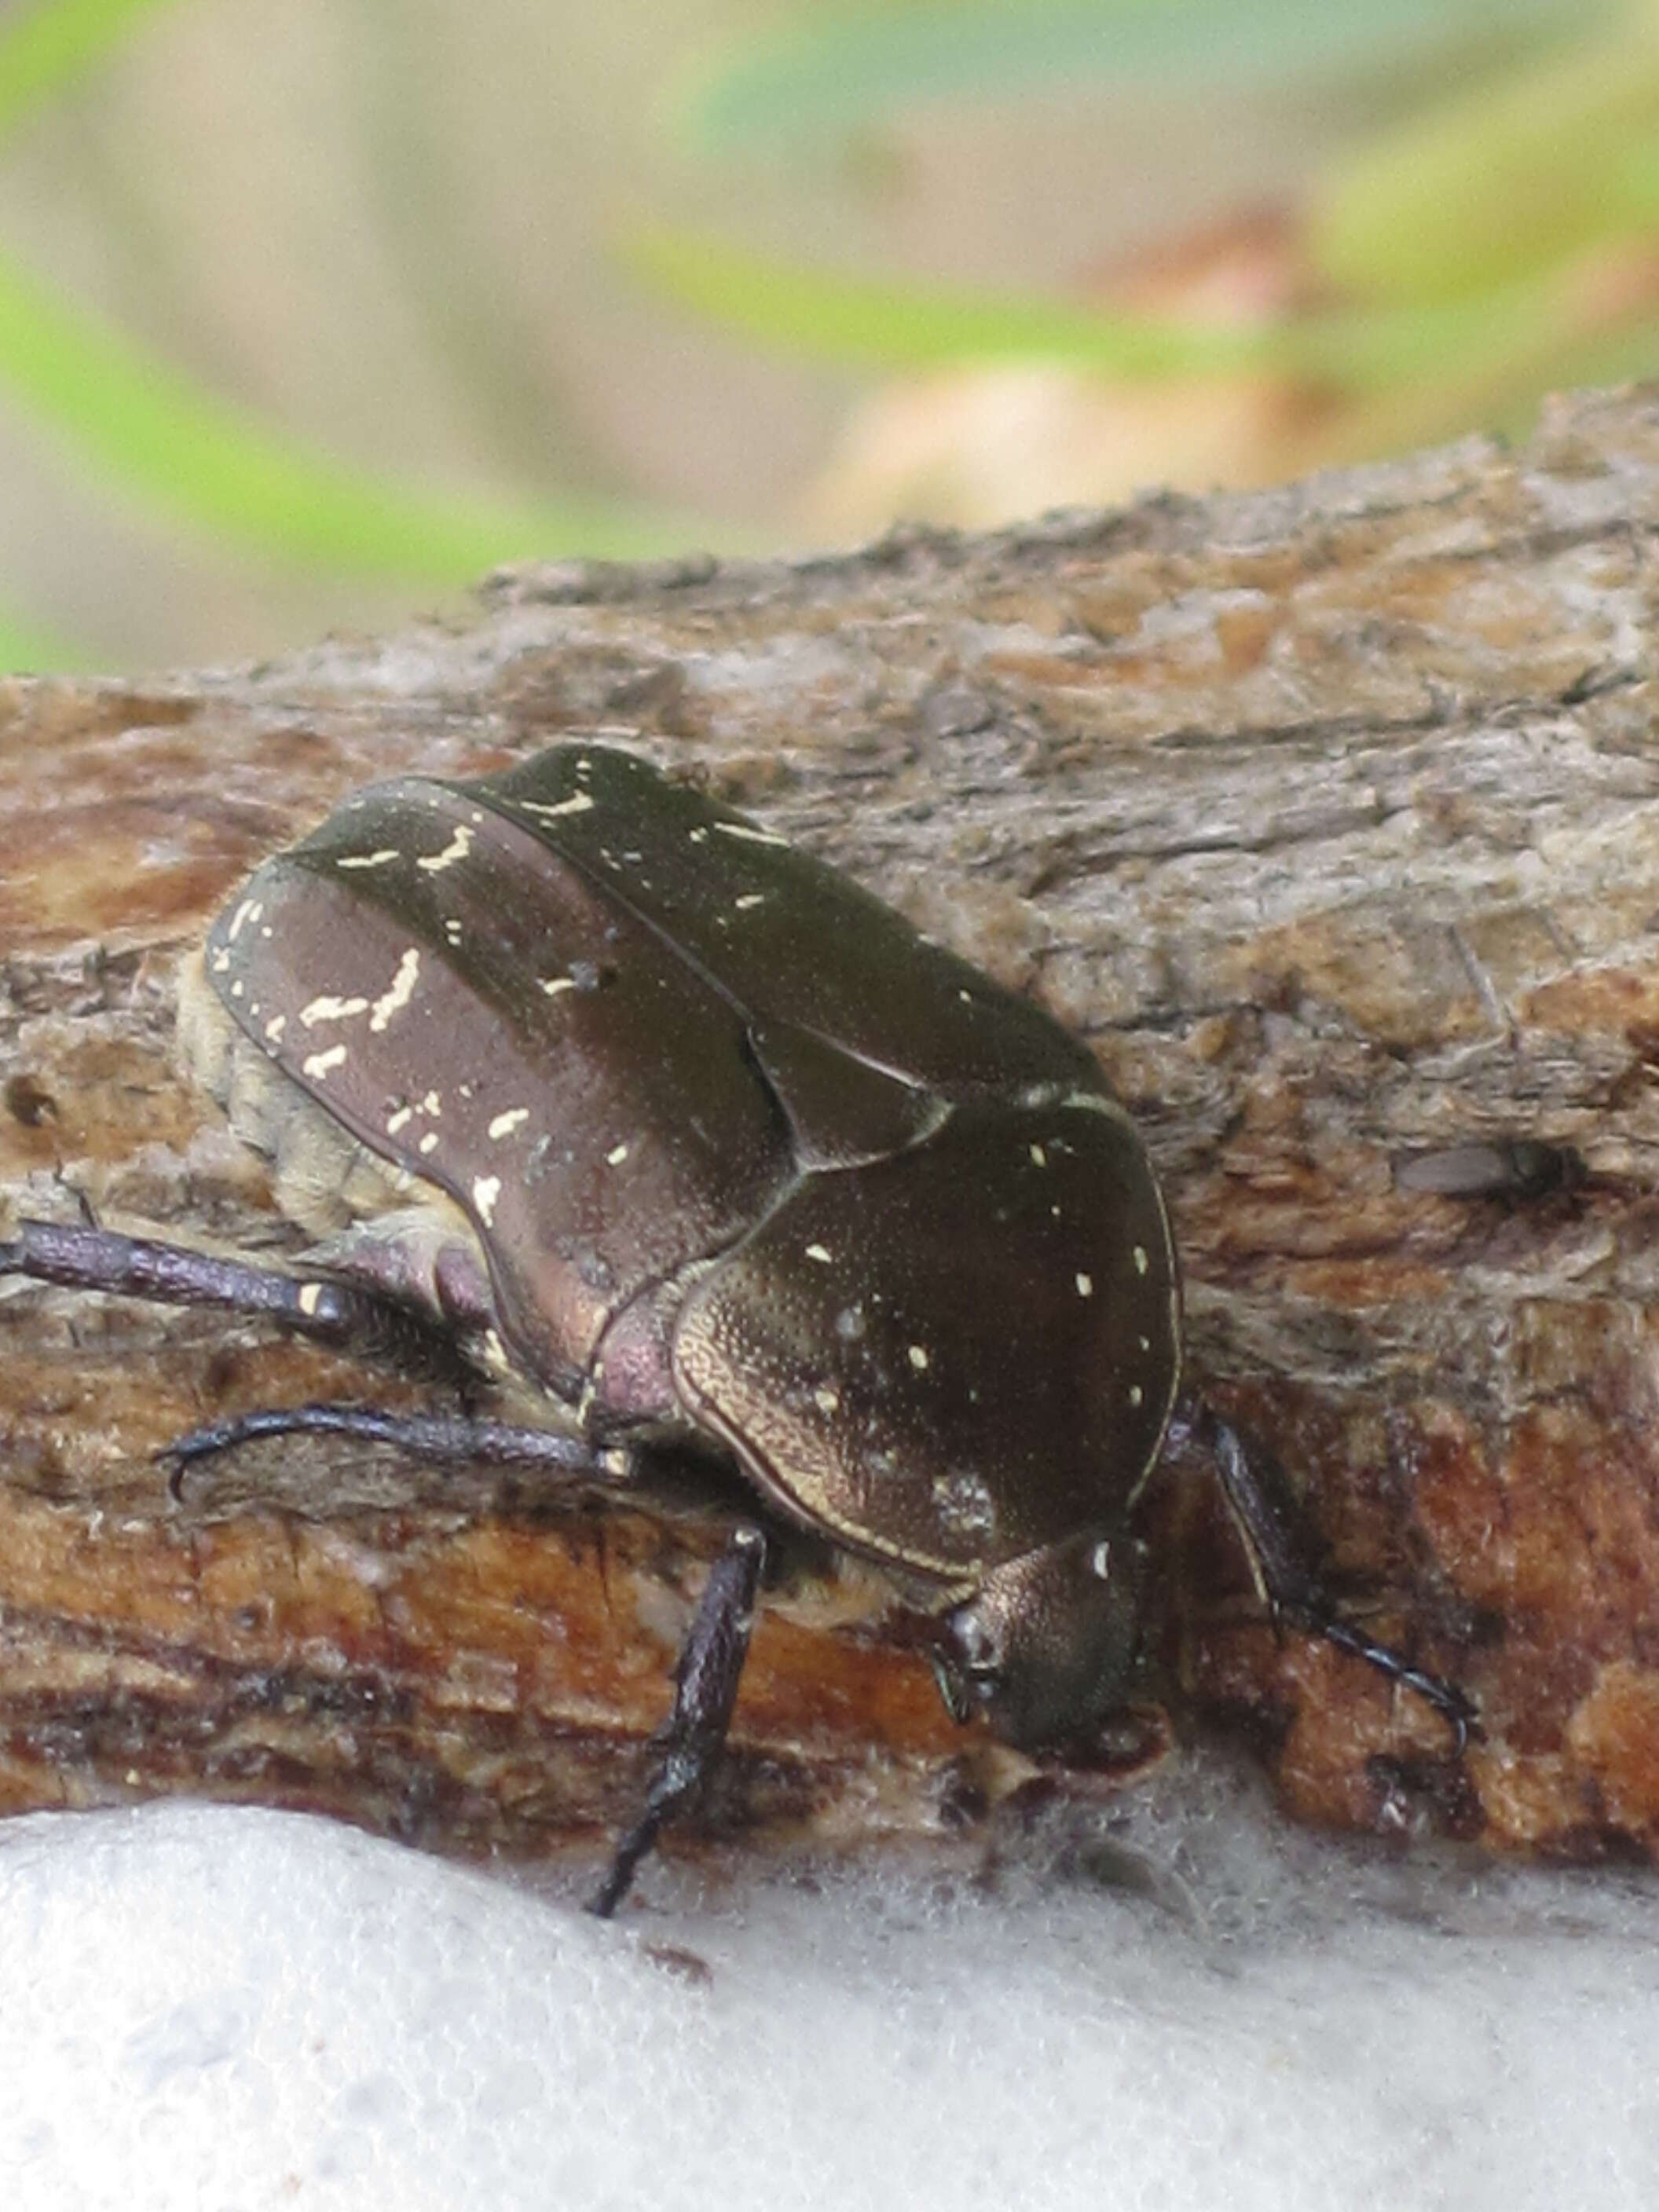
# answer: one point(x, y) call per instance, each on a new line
point(1043, 1647)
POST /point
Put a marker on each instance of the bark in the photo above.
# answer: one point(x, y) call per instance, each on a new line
point(1329, 816)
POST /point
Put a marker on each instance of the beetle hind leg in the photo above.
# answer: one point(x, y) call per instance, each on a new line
point(76, 1255)
point(706, 1678)
point(1291, 1591)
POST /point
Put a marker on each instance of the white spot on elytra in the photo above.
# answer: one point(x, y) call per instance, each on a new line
point(826, 1400)
point(311, 1296)
point(750, 835)
point(400, 1120)
point(399, 992)
point(236, 988)
point(429, 1142)
point(1145, 1342)
point(275, 1026)
point(486, 1189)
point(581, 803)
point(451, 929)
point(369, 860)
point(554, 984)
point(1136, 1393)
point(820, 1253)
point(1100, 1561)
point(320, 1062)
point(457, 849)
point(221, 961)
point(249, 910)
point(919, 1358)
point(748, 899)
point(1039, 1158)
point(431, 1104)
point(1085, 1287)
point(700, 837)
point(331, 1010)
point(504, 1124)
point(615, 1156)
point(1141, 1262)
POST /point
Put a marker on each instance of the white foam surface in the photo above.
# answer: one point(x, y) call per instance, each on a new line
point(210, 2008)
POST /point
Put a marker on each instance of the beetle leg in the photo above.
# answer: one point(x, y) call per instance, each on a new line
point(706, 1678)
point(82, 1258)
point(454, 1439)
point(1291, 1590)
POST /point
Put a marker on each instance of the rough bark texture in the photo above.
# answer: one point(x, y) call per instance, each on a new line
point(1330, 817)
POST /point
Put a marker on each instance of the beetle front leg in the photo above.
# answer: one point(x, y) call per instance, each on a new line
point(1291, 1591)
point(706, 1678)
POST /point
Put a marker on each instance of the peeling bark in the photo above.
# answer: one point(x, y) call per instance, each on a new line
point(1330, 817)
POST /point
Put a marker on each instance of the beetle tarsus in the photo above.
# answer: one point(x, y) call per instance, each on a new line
point(706, 1678)
point(448, 1439)
point(1448, 1701)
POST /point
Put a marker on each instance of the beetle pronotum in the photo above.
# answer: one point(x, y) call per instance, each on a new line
point(691, 1136)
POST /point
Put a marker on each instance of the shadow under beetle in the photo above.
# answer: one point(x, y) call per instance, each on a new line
point(681, 1134)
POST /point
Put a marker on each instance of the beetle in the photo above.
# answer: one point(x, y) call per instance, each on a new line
point(685, 1135)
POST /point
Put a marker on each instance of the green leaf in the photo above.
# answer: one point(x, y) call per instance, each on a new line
point(873, 322)
point(1502, 183)
point(45, 48)
point(27, 651)
point(870, 323)
point(129, 419)
point(122, 410)
point(836, 70)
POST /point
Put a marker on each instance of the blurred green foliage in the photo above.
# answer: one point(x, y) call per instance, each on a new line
point(1499, 234)
point(131, 420)
point(1445, 257)
point(836, 68)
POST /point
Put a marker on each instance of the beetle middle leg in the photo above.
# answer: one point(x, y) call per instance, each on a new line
point(1293, 1593)
point(450, 1439)
point(711, 1660)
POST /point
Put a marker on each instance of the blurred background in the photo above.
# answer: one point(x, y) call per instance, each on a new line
point(312, 311)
